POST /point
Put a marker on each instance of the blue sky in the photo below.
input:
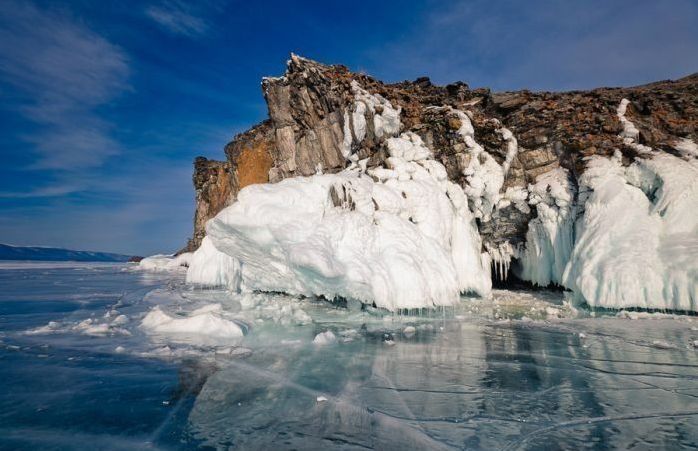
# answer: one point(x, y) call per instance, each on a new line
point(104, 105)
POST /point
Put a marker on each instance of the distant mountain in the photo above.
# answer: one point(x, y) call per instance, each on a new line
point(9, 252)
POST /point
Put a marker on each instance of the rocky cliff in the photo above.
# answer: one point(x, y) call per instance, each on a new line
point(325, 118)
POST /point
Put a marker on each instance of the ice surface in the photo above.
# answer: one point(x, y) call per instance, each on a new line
point(518, 371)
point(406, 240)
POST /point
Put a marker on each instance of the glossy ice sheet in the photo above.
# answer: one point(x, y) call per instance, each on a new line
point(522, 371)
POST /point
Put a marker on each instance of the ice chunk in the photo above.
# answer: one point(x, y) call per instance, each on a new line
point(325, 338)
point(199, 322)
point(161, 262)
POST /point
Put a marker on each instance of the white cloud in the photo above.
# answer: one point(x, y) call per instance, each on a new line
point(178, 18)
point(63, 72)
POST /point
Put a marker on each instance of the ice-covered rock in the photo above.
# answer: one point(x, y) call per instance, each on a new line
point(475, 178)
point(404, 240)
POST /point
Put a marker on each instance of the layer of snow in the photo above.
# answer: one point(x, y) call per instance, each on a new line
point(512, 147)
point(638, 238)
point(406, 240)
point(630, 133)
point(205, 321)
point(386, 122)
point(687, 147)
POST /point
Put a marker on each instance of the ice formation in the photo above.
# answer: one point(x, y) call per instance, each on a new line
point(512, 147)
point(637, 240)
point(630, 133)
point(205, 321)
point(550, 236)
point(385, 123)
point(484, 175)
point(399, 236)
point(403, 236)
point(210, 267)
point(386, 119)
point(165, 262)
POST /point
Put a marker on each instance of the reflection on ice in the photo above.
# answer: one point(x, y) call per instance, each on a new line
point(482, 385)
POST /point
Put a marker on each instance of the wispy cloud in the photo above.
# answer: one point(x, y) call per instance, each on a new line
point(62, 72)
point(179, 17)
point(55, 190)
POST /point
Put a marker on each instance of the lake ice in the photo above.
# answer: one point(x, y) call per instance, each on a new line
point(105, 356)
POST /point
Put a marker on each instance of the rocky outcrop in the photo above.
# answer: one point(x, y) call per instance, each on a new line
point(324, 118)
point(215, 188)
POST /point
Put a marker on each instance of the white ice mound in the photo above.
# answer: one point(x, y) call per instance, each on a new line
point(325, 338)
point(211, 267)
point(161, 263)
point(637, 242)
point(400, 236)
point(205, 321)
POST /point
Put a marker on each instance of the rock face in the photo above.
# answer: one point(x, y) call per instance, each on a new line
point(324, 118)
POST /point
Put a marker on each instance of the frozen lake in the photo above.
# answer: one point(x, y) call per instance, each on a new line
point(81, 369)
